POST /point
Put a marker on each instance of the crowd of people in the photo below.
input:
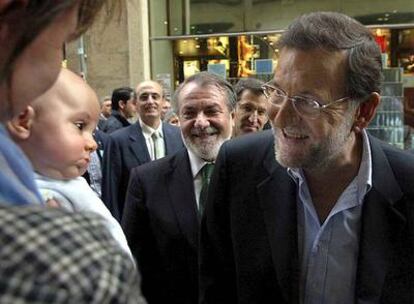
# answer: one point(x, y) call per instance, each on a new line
point(142, 199)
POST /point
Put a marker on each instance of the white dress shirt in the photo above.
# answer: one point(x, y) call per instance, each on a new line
point(147, 131)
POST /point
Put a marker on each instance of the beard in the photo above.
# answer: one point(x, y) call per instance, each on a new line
point(317, 156)
point(207, 146)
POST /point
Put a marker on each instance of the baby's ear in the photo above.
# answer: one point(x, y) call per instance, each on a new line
point(20, 126)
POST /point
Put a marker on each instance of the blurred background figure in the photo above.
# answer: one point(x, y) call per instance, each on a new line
point(106, 110)
point(166, 106)
point(124, 107)
point(172, 118)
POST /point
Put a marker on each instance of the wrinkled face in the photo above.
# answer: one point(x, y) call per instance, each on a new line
point(37, 68)
point(250, 115)
point(150, 100)
point(205, 119)
point(106, 108)
point(300, 141)
point(61, 140)
point(166, 106)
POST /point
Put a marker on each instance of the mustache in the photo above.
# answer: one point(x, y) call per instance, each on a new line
point(207, 131)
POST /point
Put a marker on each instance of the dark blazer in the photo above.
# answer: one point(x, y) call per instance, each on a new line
point(161, 225)
point(249, 232)
point(114, 122)
point(126, 149)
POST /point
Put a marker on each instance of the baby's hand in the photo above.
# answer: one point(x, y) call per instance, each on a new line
point(51, 202)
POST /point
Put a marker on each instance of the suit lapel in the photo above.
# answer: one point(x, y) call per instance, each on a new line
point(181, 192)
point(381, 227)
point(277, 194)
point(138, 144)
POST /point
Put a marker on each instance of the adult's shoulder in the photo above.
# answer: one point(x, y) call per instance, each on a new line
point(254, 145)
point(125, 132)
point(400, 161)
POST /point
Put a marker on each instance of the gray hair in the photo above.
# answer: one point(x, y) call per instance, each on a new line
point(336, 32)
point(204, 79)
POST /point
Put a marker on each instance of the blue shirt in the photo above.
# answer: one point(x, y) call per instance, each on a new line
point(17, 186)
point(328, 252)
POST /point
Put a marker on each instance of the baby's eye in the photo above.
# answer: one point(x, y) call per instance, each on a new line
point(80, 125)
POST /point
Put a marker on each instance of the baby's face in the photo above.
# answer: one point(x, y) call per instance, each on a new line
point(61, 140)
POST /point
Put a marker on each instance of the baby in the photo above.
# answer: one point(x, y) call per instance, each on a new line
point(56, 133)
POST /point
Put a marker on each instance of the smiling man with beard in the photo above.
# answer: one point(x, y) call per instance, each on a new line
point(318, 211)
point(165, 198)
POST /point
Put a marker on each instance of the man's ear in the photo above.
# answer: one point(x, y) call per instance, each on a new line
point(121, 104)
point(20, 126)
point(366, 111)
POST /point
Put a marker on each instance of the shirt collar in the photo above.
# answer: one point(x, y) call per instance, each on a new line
point(147, 130)
point(364, 177)
point(196, 163)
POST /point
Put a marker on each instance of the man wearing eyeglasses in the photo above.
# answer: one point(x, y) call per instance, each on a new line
point(147, 139)
point(317, 211)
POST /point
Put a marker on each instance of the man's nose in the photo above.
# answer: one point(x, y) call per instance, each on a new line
point(201, 121)
point(253, 117)
point(285, 113)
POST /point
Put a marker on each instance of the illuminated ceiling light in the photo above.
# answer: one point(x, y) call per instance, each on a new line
point(265, 38)
point(184, 41)
point(181, 52)
point(197, 46)
point(271, 43)
point(380, 19)
point(394, 11)
point(175, 29)
point(387, 15)
point(165, 22)
point(192, 27)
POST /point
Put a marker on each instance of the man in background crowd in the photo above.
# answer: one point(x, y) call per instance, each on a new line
point(147, 139)
point(106, 109)
point(124, 106)
point(250, 114)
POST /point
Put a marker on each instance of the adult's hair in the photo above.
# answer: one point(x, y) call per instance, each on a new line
point(205, 79)
point(251, 84)
point(337, 32)
point(38, 14)
point(124, 94)
point(101, 102)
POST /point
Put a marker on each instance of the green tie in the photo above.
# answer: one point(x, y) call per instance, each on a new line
point(206, 172)
point(158, 145)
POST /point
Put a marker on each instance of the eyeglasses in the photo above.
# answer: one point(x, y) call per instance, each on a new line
point(305, 106)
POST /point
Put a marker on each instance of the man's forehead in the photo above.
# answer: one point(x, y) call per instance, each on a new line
point(148, 87)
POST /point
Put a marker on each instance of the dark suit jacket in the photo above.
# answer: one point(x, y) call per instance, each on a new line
point(126, 149)
point(249, 246)
point(161, 225)
point(114, 122)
